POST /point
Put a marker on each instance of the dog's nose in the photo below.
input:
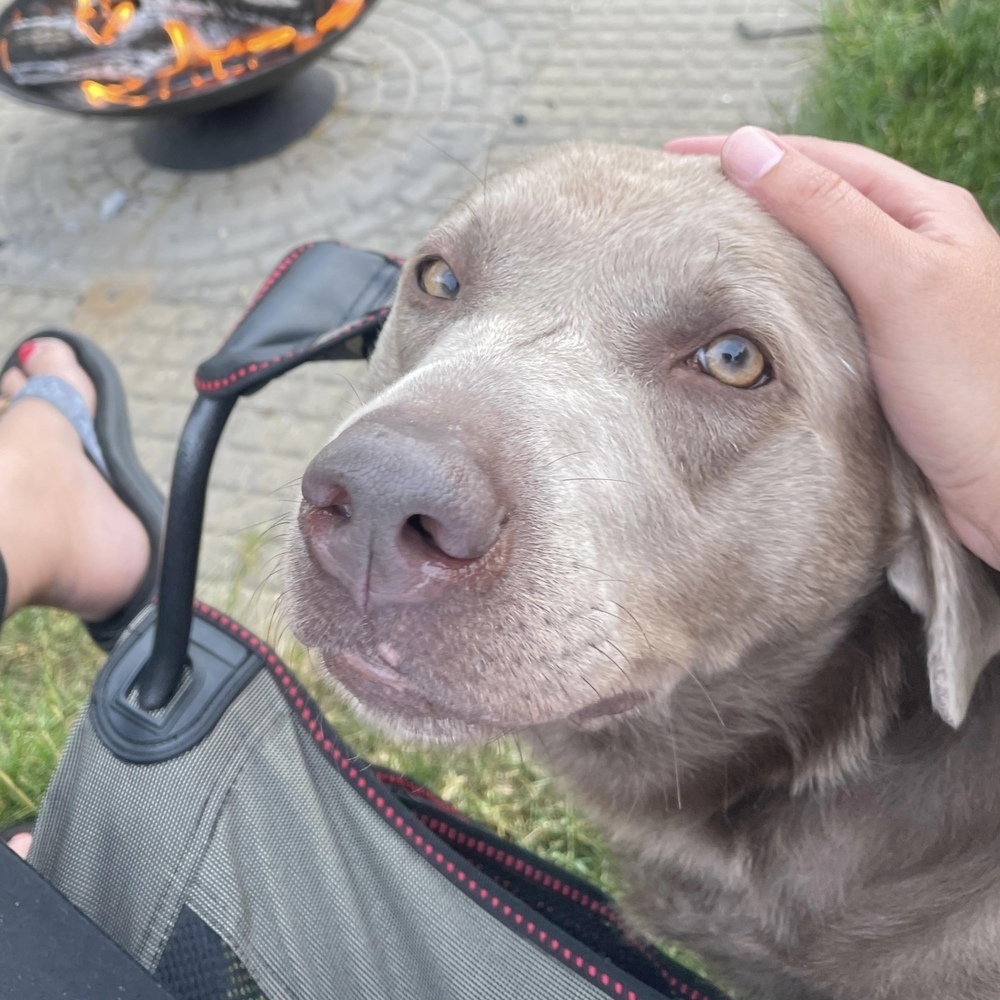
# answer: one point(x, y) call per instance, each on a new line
point(398, 515)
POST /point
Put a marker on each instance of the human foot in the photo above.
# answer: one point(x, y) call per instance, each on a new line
point(67, 539)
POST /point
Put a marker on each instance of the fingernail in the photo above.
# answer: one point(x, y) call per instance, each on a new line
point(25, 351)
point(749, 153)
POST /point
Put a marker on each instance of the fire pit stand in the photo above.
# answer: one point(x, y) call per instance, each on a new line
point(234, 134)
point(222, 87)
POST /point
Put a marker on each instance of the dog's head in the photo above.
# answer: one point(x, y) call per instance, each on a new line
point(622, 431)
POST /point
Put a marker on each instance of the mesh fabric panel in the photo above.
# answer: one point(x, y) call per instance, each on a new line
point(257, 834)
point(269, 863)
point(198, 965)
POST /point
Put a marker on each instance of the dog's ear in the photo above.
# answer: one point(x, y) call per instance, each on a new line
point(952, 590)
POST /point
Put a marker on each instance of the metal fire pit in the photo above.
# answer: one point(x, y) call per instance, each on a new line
point(215, 105)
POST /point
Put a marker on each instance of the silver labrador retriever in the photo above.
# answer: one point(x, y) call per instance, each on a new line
point(623, 484)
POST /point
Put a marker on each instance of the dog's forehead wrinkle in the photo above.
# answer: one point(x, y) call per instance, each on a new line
point(639, 196)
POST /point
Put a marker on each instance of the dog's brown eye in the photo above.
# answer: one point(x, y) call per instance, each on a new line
point(436, 278)
point(734, 360)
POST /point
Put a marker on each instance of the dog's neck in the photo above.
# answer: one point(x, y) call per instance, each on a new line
point(787, 720)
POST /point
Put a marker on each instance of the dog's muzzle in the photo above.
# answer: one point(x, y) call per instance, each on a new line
point(400, 515)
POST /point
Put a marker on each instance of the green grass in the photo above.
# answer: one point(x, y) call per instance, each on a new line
point(918, 80)
point(47, 663)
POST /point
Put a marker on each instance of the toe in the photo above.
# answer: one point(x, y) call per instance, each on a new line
point(20, 844)
point(55, 357)
point(11, 383)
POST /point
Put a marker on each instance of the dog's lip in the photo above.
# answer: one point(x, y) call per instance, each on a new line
point(380, 672)
point(378, 685)
point(377, 682)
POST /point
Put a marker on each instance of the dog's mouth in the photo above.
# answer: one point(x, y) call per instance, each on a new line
point(378, 685)
point(375, 682)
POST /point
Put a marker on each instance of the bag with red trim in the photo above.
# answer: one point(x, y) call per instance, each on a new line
point(207, 817)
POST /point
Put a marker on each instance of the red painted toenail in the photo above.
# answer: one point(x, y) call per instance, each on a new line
point(25, 351)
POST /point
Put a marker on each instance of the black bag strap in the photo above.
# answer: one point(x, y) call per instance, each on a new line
point(324, 301)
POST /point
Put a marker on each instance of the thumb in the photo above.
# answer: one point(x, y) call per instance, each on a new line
point(856, 240)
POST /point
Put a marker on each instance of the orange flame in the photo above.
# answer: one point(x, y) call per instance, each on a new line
point(202, 63)
point(105, 22)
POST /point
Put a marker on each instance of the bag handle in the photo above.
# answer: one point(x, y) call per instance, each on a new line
point(324, 301)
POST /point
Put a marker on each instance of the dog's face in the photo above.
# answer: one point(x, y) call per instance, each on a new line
point(622, 430)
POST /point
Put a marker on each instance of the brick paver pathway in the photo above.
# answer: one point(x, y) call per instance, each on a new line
point(155, 265)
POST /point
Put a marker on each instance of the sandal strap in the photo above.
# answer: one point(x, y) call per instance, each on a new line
point(68, 401)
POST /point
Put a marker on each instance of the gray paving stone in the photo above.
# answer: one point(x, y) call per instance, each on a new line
point(427, 92)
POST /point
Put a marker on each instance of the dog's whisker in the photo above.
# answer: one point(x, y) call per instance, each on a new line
point(562, 458)
point(456, 160)
point(486, 166)
point(276, 610)
point(694, 677)
point(517, 744)
point(284, 486)
point(605, 611)
point(677, 769)
point(618, 650)
point(273, 523)
point(261, 586)
point(621, 669)
point(637, 625)
point(598, 479)
point(357, 394)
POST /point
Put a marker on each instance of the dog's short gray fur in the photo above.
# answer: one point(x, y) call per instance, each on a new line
point(786, 800)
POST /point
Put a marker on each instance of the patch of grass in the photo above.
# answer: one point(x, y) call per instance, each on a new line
point(47, 665)
point(918, 80)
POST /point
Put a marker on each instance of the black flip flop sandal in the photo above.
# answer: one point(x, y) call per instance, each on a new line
point(124, 473)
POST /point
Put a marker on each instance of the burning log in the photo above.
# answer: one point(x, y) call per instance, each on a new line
point(134, 51)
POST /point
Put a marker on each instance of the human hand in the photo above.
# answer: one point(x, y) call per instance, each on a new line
point(921, 264)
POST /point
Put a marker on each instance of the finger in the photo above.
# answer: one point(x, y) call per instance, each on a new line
point(915, 200)
point(857, 240)
point(858, 165)
point(899, 190)
point(974, 538)
point(697, 144)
